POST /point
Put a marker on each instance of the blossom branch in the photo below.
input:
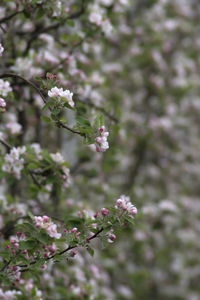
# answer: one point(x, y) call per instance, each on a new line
point(61, 252)
point(59, 123)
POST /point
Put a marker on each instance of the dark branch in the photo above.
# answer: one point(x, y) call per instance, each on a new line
point(7, 18)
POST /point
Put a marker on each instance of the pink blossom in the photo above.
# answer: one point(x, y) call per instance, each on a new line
point(104, 211)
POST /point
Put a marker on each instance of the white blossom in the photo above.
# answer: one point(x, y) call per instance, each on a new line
point(4, 88)
point(14, 162)
point(59, 93)
point(57, 157)
point(50, 227)
point(2, 103)
point(14, 127)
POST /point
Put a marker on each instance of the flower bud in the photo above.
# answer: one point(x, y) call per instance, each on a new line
point(74, 230)
point(104, 211)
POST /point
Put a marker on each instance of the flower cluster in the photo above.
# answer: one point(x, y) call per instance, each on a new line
point(46, 224)
point(1, 49)
point(61, 95)
point(102, 143)
point(124, 203)
point(4, 88)
point(2, 104)
point(14, 240)
point(111, 236)
point(14, 162)
point(96, 17)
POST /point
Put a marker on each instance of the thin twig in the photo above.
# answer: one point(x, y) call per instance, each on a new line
point(5, 144)
point(102, 109)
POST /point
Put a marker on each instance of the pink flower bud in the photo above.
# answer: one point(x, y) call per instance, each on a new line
point(73, 253)
point(95, 215)
point(18, 233)
point(119, 202)
point(8, 247)
point(101, 129)
point(104, 211)
point(45, 255)
point(52, 249)
point(112, 237)
point(13, 251)
point(77, 235)
point(24, 251)
point(98, 149)
point(74, 230)
point(15, 268)
point(45, 219)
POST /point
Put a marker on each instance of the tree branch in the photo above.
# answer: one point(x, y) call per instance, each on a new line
point(7, 18)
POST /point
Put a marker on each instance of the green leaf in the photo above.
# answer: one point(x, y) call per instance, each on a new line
point(83, 121)
point(33, 165)
point(29, 245)
point(99, 121)
point(47, 105)
point(38, 79)
point(30, 215)
point(46, 119)
point(130, 220)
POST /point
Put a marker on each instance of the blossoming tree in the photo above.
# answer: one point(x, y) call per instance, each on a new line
point(49, 99)
point(99, 102)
